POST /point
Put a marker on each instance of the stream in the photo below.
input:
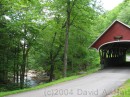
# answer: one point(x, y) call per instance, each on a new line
point(34, 78)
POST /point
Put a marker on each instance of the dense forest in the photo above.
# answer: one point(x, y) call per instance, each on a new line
point(52, 35)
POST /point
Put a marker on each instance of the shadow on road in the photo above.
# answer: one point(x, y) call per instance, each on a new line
point(119, 66)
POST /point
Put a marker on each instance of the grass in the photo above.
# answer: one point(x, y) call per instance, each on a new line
point(2, 94)
point(123, 91)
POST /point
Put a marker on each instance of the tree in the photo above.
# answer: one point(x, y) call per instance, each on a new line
point(51, 34)
point(67, 35)
point(124, 15)
point(60, 21)
point(21, 29)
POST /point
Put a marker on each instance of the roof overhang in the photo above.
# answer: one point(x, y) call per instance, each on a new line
point(116, 44)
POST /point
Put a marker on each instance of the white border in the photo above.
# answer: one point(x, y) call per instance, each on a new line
point(113, 42)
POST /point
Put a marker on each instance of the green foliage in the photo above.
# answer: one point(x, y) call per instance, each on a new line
point(124, 15)
point(2, 94)
point(123, 91)
point(105, 19)
point(18, 33)
point(51, 43)
point(33, 34)
point(41, 24)
point(8, 87)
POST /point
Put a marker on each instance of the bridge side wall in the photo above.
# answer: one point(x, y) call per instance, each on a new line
point(117, 61)
point(112, 57)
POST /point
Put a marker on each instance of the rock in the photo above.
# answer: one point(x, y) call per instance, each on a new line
point(81, 72)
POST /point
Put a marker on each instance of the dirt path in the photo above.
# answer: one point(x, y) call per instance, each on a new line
point(98, 84)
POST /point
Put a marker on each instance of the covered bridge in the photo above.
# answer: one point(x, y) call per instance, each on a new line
point(113, 44)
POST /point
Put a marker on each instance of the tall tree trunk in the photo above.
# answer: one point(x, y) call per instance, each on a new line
point(17, 66)
point(66, 38)
point(23, 68)
point(4, 68)
point(14, 68)
point(24, 64)
point(51, 58)
point(51, 71)
point(17, 74)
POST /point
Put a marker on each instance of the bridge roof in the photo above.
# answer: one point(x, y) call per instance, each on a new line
point(117, 31)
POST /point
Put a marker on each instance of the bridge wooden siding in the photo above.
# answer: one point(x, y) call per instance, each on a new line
point(113, 44)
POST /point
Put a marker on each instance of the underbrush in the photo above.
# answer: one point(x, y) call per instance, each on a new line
point(15, 90)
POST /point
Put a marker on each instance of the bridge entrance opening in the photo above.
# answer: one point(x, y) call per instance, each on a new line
point(114, 54)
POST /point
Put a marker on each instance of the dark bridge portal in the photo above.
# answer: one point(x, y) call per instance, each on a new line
point(113, 45)
point(114, 54)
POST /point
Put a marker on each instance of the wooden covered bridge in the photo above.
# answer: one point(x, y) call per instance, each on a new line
point(113, 45)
